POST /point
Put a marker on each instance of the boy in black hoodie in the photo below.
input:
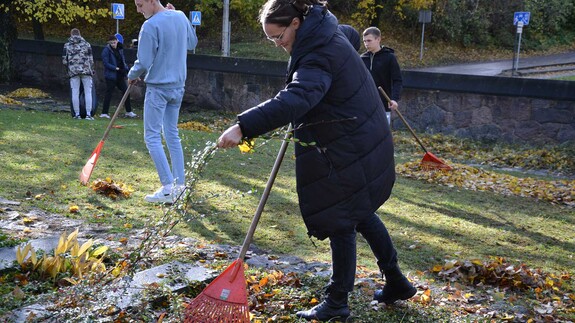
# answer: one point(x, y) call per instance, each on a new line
point(383, 66)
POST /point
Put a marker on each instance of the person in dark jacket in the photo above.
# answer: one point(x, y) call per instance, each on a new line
point(384, 68)
point(115, 71)
point(348, 172)
point(352, 35)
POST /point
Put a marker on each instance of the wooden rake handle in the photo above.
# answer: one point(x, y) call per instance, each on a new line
point(402, 119)
point(120, 106)
point(265, 194)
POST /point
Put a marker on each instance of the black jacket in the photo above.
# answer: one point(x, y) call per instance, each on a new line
point(110, 63)
point(331, 100)
point(385, 72)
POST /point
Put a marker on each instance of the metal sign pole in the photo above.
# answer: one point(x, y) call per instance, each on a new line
point(424, 17)
point(514, 55)
point(196, 20)
point(520, 19)
point(422, 35)
point(519, 31)
point(225, 29)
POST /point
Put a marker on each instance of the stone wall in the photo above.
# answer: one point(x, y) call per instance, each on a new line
point(489, 117)
point(478, 107)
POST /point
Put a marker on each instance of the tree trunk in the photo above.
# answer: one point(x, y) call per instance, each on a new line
point(8, 34)
point(376, 21)
point(38, 29)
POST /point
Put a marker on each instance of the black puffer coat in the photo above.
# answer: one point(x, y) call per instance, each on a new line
point(332, 101)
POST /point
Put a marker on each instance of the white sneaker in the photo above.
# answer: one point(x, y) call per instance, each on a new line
point(160, 196)
point(104, 115)
point(88, 117)
point(130, 115)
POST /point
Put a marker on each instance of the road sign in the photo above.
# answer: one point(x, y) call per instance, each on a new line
point(425, 16)
point(522, 16)
point(196, 18)
point(118, 10)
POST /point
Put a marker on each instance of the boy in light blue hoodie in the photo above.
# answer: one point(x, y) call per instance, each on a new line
point(163, 44)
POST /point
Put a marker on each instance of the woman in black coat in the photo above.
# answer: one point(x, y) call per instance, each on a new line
point(331, 100)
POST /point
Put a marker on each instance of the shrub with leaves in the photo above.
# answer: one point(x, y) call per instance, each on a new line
point(70, 258)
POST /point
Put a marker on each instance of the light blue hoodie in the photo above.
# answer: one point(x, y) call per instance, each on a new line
point(163, 45)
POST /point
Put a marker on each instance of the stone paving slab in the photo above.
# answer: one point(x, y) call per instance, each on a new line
point(31, 313)
point(8, 254)
point(4, 201)
point(173, 275)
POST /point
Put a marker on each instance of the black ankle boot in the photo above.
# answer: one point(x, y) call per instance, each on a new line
point(397, 287)
point(334, 307)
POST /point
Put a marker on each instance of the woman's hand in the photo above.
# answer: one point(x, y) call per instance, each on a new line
point(231, 137)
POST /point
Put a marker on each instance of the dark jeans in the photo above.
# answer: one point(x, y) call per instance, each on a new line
point(122, 85)
point(343, 252)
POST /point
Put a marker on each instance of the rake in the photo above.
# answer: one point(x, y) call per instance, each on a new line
point(225, 299)
point(429, 161)
point(91, 163)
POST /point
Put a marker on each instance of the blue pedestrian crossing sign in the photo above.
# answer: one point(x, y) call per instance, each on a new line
point(196, 18)
point(118, 10)
point(522, 16)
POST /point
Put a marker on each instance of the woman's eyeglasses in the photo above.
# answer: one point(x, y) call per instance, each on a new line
point(277, 38)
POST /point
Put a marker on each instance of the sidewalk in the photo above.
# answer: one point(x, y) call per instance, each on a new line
point(495, 68)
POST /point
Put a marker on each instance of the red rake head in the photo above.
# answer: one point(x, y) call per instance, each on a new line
point(90, 164)
point(224, 300)
point(430, 161)
point(205, 309)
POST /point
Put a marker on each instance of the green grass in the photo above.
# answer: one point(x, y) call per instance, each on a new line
point(41, 154)
point(567, 78)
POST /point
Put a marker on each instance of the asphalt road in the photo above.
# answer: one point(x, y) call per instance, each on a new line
point(494, 68)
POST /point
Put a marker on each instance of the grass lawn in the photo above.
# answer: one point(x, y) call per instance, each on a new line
point(41, 154)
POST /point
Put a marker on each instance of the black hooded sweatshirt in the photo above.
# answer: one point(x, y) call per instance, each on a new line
point(385, 71)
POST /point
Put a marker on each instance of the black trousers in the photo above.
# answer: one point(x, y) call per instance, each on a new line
point(122, 85)
point(343, 252)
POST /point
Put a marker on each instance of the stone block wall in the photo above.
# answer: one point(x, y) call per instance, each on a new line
point(478, 107)
point(488, 117)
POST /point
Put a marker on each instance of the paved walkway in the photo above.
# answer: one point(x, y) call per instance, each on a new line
point(497, 67)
